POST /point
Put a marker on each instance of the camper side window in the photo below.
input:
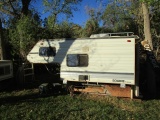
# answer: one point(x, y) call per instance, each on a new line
point(47, 51)
point(77, 60)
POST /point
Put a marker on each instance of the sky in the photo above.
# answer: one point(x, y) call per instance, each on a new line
point(79, 17)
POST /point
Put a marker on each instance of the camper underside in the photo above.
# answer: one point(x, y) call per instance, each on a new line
point(112, 84)
point(101, 89)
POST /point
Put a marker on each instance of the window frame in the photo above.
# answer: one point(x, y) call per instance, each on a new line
point(48, 51)
point(78, 62)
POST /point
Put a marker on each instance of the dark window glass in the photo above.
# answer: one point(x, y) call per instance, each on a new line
point(77, 60)
point(83, 60)
point(72, 60)
point(47, 51)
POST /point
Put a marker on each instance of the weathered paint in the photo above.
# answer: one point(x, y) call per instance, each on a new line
point(111, 60)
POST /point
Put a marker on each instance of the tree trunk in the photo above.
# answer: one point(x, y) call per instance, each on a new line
point(1, 42)
point(25, 6)
point(147, 29)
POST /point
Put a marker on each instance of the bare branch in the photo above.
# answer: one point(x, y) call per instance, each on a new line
point(8, 12)
point(10, 5)
point(10, 2)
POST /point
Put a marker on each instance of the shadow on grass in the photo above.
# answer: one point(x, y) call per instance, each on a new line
point(33, 96)
point(25, 98)
point(27, 94)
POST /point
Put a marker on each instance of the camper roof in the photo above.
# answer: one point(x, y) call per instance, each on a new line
point(119, 34)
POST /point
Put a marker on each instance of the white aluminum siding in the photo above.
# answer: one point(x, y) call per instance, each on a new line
point(105, 55)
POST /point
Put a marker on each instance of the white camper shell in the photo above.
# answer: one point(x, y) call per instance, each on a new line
point(6, 69)
point(102, 58)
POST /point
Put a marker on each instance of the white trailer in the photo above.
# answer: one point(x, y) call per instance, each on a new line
point(103, 59)
point(6, 69)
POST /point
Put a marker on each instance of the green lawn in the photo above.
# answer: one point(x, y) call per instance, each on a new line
point(28, 105)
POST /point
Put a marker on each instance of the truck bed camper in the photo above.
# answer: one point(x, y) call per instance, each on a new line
point(106, 62)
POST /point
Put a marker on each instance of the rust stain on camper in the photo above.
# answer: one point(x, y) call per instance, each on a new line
point(116, 90)
point(85, 49)
point(108, 89)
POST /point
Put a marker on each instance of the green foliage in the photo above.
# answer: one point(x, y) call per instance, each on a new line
point(66, 30)
point(23, 36)
point(148, 1)
point(117, 16)
point(62, 29)
point(51, 22)
point(25, 29)
point(91, 27)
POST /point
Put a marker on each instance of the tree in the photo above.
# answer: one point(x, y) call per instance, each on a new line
point(23, 25)
point(11, 7)
point(63, 30)
point(132, 15)
point(147, 29)
point(155, 18)
point(95, 13)
point(23, 37)
point(1, 42)
point(76, 31)
point(91, 27)
point(118, 16)
point(147, 19)
point(152, 7)
point(25, 6)
point(57, 7)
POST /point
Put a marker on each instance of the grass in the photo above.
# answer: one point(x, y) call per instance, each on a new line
point(29, 105)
